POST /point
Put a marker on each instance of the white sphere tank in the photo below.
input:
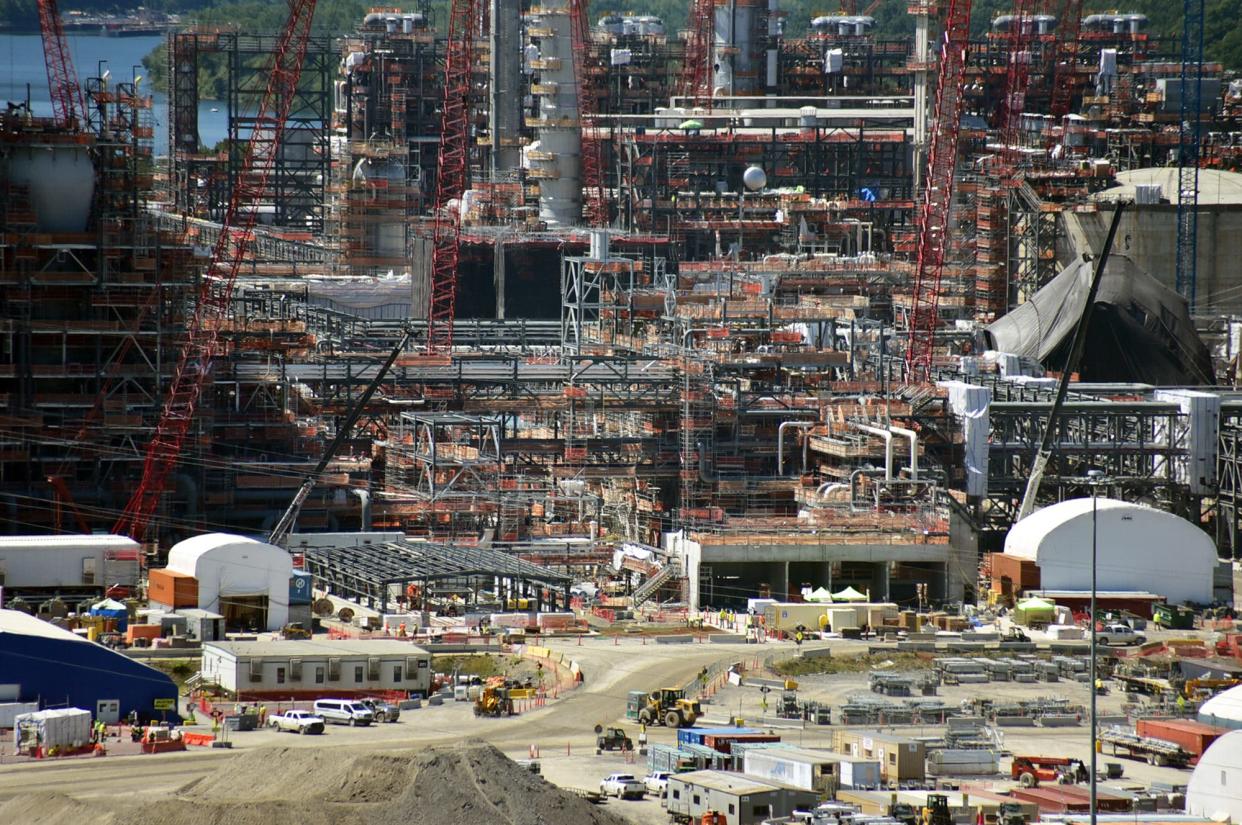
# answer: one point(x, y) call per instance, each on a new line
point(754, 178)
point(61, 180)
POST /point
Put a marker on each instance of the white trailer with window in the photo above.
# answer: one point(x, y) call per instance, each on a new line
point(30, 563)
point(317, 668)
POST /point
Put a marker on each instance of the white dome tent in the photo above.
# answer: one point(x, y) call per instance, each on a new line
point(1224, 710)
point(1139, 548)
point(1213, 788)
point(244, 580)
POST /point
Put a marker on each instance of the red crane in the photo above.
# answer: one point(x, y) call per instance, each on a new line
point(451, 172)
point(1017, 77)
point(594, 205)
point(216, 286)
point(68, 104)
point(1065, 58)
point(696, 67)
point(932, 221)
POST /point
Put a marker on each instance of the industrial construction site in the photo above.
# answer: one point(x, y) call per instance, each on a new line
point(608, 421)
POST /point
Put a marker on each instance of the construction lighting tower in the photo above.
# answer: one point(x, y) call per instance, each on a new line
point(451, 172)
point(1190, 137)
point(932, 221)
point(1065, 58)
point(68, 103)
point(594, 204)
point(216, 286)
point(696, 67)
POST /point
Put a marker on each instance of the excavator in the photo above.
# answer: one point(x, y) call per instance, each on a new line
point(670, 707)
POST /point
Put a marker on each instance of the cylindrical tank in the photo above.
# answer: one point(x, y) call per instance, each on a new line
point(1045, 23)
point(558, 164)
point(386, 239)
point(60, 179)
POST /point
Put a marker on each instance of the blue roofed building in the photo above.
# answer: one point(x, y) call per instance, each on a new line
point(57, 668)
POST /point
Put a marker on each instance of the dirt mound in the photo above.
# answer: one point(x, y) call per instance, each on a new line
point(298, 774)
point(460, 785)
point(51, 809)
point(470, 784)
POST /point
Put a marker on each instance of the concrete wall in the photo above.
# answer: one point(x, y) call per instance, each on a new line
point(1148, 235)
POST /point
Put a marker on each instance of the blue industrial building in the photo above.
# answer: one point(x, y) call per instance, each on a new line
point(56, 668)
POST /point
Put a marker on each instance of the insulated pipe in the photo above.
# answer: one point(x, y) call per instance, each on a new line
point(828, 487)
point(364, 502)
point(780, 443)
point(887, 435)
point(914, 449)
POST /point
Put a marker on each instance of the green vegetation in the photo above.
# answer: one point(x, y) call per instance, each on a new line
point(483, 665)
point(178, 669)
point(829, 665)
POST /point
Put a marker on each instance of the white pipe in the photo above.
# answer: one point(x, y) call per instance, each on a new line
point(828, 488)
point(888, 446)
point(914, 449)
point(780, 441)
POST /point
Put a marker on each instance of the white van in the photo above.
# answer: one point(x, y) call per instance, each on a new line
point(343, 712)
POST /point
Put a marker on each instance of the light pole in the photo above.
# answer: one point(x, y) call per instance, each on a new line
point(1095, 478)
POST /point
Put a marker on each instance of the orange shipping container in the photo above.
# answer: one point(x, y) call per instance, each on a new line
point(142, 631)
point(173, 589)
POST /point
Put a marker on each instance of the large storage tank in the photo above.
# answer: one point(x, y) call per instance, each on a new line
point(557, 164)
point(61, 181)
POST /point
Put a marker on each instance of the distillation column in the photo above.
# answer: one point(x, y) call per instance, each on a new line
point(555, 158)
point(505, 105)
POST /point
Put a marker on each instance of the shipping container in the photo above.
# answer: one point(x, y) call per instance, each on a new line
point(695, 736)
point(1193, 737)
point(858, 773)
point(841, 618)
point(963, 762)
point(788, 616)
point(172, 589)
point(723, 743)
point(1060, 799)
point(58, 728)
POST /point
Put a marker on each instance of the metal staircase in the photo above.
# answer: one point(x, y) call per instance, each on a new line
point(649, 588)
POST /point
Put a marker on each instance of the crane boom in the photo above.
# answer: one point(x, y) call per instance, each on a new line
point(68, 104)
point(594, 206)
point(1044, 454)
point(216, 285)
point(451, 172)
point(283, 527)
point(932, 223)
point(696, 67)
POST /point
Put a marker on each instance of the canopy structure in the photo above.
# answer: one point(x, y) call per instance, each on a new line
point(1031, 612)
point(849, 594)
point(819, 594)
point(1140, 330)
point(1035, 604)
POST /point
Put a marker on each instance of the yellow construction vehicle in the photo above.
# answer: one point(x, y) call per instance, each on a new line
point(1197, 688)
point(670, 707)
point(493, 700)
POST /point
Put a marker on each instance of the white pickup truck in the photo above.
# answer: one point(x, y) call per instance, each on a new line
point(296, 721)
point(622, 786)
point(1119, 634)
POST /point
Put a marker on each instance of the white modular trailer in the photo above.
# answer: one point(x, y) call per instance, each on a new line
point(809, 770)
point(787, 616)
point(59, 727)
point(65, 561)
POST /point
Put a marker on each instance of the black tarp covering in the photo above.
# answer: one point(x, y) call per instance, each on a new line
point(1140, 329)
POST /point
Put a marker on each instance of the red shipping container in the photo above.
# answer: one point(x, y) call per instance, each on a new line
point(173, 589)
point(1191, 736)
point(724, 742)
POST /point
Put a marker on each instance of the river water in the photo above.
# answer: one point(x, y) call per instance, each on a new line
point(22, 67)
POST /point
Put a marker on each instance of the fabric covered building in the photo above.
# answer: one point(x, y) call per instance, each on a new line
point(52, 666)
point(242, 579)
point(1224, 710)
point(1138, 549)
point(1215, 788)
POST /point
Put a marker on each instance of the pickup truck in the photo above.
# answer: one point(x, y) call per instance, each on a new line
point(383, 711)
point(1119, 634)
point(622, 786)
point(296, 721)
point(657, 782)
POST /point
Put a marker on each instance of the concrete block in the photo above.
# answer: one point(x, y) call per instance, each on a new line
point(1059, 720)
point(1015, 721)
point(726, 638)
point(817, 653)
point(674, 640)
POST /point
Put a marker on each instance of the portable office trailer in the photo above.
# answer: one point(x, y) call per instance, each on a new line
point(809, 770)
point(858, 773)
point(787, 616)
point(740, 799)
point(900, 757)
point(316, 669)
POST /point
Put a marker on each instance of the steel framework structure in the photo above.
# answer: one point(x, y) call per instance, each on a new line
point(696, 67)
point(932, 221)
point(1229, 474)
point(452, 172)
point(216, 286)
point(1065, 58)
point(594, 201)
